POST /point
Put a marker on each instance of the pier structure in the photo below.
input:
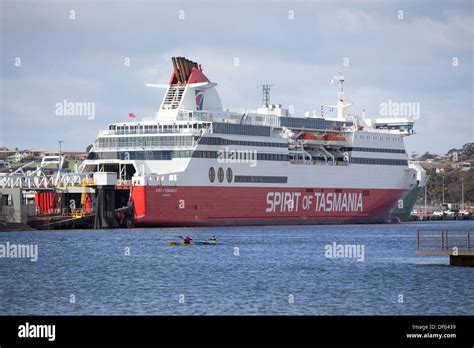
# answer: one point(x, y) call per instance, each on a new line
point(458, 244)
point(64, 200)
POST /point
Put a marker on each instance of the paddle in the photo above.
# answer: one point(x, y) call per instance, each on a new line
point(183, 238)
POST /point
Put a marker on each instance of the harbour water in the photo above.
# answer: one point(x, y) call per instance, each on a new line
point(253, 270)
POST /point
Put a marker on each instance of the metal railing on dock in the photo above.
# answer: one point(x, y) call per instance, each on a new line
point(448, 242)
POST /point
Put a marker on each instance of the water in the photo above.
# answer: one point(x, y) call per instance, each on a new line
point(275, 265)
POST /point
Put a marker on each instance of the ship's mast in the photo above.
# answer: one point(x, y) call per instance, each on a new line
point(266, 94)
point(342, 103)
point(340, 88)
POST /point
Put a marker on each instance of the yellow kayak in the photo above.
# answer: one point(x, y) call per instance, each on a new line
point(172, 242)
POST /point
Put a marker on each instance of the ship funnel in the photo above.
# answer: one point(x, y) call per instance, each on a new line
point(188, 89)
point(183, 71)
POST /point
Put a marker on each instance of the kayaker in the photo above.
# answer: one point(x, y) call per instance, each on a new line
point(187, 239)
point(213, 239)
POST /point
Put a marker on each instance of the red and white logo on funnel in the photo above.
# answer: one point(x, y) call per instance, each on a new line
point(199, 100)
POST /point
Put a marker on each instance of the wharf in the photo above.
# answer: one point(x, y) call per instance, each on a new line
point(458, 244)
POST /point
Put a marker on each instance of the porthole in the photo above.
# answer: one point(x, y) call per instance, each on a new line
point(212, 174)
point(229, 175)
point(220, 175)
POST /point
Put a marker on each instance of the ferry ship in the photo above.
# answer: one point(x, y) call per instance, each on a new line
point(197, 164)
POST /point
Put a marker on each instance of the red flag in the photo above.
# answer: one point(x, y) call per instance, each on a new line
point(131, 115)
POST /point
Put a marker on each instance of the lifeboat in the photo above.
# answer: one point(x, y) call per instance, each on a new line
point(312, 136)
point(334, 137)
point(320, 136)
point(307, 136)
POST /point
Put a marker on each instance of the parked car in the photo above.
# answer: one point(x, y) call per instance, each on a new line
point(438, 213)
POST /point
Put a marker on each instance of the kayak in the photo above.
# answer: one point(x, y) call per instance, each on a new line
point(205, 243)
point(172, 242)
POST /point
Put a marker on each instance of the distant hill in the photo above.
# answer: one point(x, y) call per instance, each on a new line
point(464, 153)
point(442, 166)
point(452, 186)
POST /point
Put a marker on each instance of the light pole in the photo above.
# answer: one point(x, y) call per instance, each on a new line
point(426, 199)
point(462, 193)
point(443, 188)
point(60, 162)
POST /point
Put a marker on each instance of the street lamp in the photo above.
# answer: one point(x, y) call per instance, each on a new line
point(443, 187)
point(60, 162)
point(462, 193)
point(426, 200)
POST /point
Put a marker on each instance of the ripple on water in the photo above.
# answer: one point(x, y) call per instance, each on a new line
point(279, 270)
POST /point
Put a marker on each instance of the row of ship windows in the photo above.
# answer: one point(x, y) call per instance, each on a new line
point(141, 155)
point(244, 178)
point(383, 161)
point(189, 141)
point(160, 128)
point(144, 141)
point(261, 179)
point(370, 149)
point(176, 141)
point(222, 141)
point(374, 137)
point(169, 155)
point(242, 155)
point(220, 175)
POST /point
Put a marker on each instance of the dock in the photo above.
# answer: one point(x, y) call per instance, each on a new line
point(64, 201)
point(458, 244)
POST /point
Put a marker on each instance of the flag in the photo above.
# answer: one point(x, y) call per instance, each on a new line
point(131, 115)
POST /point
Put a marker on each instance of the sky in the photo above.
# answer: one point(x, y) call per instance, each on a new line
point(401, 51)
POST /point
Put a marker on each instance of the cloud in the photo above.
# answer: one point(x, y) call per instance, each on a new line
point(82, 59)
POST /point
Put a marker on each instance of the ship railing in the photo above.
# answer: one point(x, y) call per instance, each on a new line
point(191, 131)
point(43, 181)
point(21, 181)
point(389, 131)
point(330, 163)
point(319, 162)
point(149, 145)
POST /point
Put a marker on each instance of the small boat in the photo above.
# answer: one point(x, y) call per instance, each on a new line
point(334, 137)
point(319, 136)
point(306, 136)
point(205, 243)
point(172, 242)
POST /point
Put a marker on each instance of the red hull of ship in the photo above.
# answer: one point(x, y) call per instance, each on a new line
point(211, 206)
